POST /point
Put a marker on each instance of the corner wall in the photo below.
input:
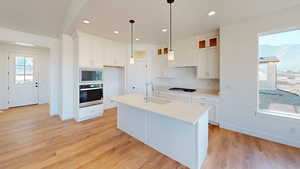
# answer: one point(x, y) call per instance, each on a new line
point(239, 67)
point(8, 35)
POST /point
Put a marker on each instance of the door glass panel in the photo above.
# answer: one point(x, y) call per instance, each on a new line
point(19, 70)
point(20, 61)
point(28, 78)
point(24, 70)
point(28, 70)
point(29, 61)
point(20, 79)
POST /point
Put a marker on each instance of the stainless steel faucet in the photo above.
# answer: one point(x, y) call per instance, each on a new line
point(148, 97)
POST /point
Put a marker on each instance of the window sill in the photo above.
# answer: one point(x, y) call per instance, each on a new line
point(278, 115)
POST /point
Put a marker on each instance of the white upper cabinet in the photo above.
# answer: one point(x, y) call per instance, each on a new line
point(90, 51)
point(115, 53)
point(208, 62)
point(185, 53)
point(95, 52)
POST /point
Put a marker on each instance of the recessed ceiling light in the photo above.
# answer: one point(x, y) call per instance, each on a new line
point(116, 32)
point(164, 30)
point(211, 13)
point(86, 21)
point(24, 44)
point(137, 39)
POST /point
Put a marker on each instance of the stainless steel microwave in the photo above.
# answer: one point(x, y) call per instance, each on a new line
point(88, 75)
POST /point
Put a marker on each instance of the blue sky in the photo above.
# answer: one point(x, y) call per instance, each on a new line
point(291, 37)
point(285, 46)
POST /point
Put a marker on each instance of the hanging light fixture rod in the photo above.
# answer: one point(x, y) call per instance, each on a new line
point(170, 27)
point(171, 55)
point(131, 57)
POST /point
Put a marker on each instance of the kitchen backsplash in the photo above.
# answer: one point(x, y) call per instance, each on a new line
point(186, 77)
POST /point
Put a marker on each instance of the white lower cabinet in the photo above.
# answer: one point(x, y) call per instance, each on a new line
point(184, 142)
point(213, 101)
point(198, 99)
point(90, 112)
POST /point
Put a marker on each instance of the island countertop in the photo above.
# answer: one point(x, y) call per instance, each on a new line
point(187, 112)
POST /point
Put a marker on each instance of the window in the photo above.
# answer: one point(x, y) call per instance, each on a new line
point(263, 72)
point(279, 73)
point(24, 70)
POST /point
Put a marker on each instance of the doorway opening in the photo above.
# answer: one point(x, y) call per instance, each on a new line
point(27, 76)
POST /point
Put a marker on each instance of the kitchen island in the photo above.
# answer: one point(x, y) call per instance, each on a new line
point(177, 129)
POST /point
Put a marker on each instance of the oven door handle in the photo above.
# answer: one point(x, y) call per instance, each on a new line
point(91, 89)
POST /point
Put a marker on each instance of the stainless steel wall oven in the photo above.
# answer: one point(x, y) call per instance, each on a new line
point(90, 94)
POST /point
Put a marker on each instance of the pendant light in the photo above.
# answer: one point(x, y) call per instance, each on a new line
point(131, 61)
point(171, 55)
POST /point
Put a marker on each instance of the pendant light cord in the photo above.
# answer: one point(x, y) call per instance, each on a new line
point(170, 36)
point(131, 40)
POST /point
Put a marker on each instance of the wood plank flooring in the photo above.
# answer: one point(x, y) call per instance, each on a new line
point(31, 139)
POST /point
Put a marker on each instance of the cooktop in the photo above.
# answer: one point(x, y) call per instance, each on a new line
point(182, 89)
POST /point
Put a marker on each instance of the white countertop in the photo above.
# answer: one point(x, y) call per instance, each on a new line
point(187, 112)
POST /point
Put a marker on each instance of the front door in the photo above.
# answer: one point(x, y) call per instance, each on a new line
point(23, 84)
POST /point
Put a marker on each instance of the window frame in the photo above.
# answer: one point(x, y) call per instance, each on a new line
point(24, 74)
point(272, 113)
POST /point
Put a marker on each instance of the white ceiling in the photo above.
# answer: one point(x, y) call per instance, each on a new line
point(190, 16)
point(44, 17)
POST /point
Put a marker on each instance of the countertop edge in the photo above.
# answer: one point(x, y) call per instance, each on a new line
point(194, 122)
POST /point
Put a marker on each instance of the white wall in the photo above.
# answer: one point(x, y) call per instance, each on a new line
point(67, 77)
point(141, 71)
point(113, 81)
point(8, 35)
point(43, 71)
point(239, 66)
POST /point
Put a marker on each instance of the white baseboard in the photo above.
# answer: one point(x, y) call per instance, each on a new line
point(66, 117)
point(3, 107)
point(263, 135)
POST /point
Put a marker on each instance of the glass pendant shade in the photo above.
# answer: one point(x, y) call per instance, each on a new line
point(171, 55)
point(131, 61)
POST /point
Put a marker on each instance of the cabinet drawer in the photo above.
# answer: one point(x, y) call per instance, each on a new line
point(90, 111)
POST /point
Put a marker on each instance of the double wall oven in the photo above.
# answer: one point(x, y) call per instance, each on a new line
point(91, 87)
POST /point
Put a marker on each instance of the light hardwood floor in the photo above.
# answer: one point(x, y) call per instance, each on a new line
point(30, 139)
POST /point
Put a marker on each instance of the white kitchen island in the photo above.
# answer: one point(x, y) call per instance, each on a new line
point(177, 129)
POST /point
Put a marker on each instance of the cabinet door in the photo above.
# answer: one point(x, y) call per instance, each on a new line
point(84, 51)
point(202, 67)
point(185, 53)
point(213, 63)
point(212, 114)
point(208, 63)
point(192, 52)
point(120, 54)
point(107, 52)
point(96, 53)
